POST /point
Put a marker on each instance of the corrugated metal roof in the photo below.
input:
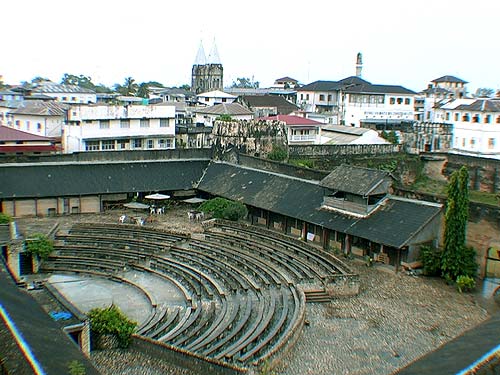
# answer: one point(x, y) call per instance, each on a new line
point(41, 108)
point(225, 109)
point(55, 88)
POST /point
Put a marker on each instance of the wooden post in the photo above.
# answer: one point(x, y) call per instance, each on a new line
point(326, 238)
point(268, 219)
point(304, 231)
point(36, 207)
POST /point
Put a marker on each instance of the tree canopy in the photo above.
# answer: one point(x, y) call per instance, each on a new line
point(245, 83)
point(484, 92)
point(457, 259)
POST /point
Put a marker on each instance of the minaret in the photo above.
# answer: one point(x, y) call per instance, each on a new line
point(359, 64)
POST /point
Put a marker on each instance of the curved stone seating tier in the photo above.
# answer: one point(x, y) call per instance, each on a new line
point(242, 304)
point(284, 242)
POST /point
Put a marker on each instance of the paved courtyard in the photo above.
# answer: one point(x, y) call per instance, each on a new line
point(395, 319)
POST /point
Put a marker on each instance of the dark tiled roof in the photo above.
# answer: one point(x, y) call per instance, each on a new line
point(379, 89)
point(321, 86)
point(355, 180)
point(394, 224)
point(286, 79)
point(85, 179)
point(283, 106)
point(481, 105)
point(51, 347)
point(9, 134)
point(355, 85)
point(449, 79)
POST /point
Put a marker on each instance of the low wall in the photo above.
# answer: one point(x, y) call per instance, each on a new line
point(185, 359)
point(181, 153)
point(300, 151)
point(277, 167)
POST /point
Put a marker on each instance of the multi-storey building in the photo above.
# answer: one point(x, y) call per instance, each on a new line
point(132, 127)
point(476, 125)
point(355, 102)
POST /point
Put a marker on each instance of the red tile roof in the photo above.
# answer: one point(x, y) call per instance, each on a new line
point(9, 134)
point(292, 120)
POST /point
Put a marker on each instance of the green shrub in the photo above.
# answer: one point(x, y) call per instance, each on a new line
point(278, 153)
point(39, 245)
point(76, 368)
point(111, 321)
point(465, 283)
point(4, 218)
point(235, 211)
point(222, 208)
point(431, 260)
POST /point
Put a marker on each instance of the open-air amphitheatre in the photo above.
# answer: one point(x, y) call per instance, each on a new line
point(269, 293)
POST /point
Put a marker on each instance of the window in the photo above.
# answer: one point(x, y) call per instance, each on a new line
point(92, 145)
point(307, 96)
point(18, 124)
point(164, 123)
point(463, 142)
point(104, 124)
point(491, 143)
point(65, 98)
point(301, 96)
point(27, 125)
point(472, 142)
point(122, 144)
point(329, 97)
point(466, 117)
point(207, 99)
point(151, 143)
point(475, 118)
point(447, 116)
point(322, 97)
point(498, 119)
point(224, 100)
point(407, 101)
point(39, 127)
point(161, 143)
point(457, 116)
point(137, 143)
point(144, 123)
point(108, 145)
point(400, 100)
point(487, 119)
point(73, 98)
point(392, 101)
point(88, 121)
point(124, 123)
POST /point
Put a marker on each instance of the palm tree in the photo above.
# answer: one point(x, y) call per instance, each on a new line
point(130, 86)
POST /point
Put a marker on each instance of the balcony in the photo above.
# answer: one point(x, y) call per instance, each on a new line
point(303, 138)
point(348, 206)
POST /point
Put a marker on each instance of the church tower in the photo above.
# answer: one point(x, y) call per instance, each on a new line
point(359, 64)
point(208, 73)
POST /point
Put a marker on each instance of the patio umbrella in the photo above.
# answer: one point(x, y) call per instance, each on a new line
point(157, 196)
point(136, 205)
point(194, 200)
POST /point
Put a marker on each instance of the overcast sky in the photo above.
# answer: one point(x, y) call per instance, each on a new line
point(406, 43)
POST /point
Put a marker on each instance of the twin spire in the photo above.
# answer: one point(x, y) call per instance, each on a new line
point(213, 56)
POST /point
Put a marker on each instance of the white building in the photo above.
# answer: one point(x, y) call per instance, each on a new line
point(206, 116)
point(300, 130)
point(45, 118)
point(355, 102)
point(348, 135)
point(112, 127)
point(66, 93)
point(443, 88)
point(215, 97)
point(476, 125)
